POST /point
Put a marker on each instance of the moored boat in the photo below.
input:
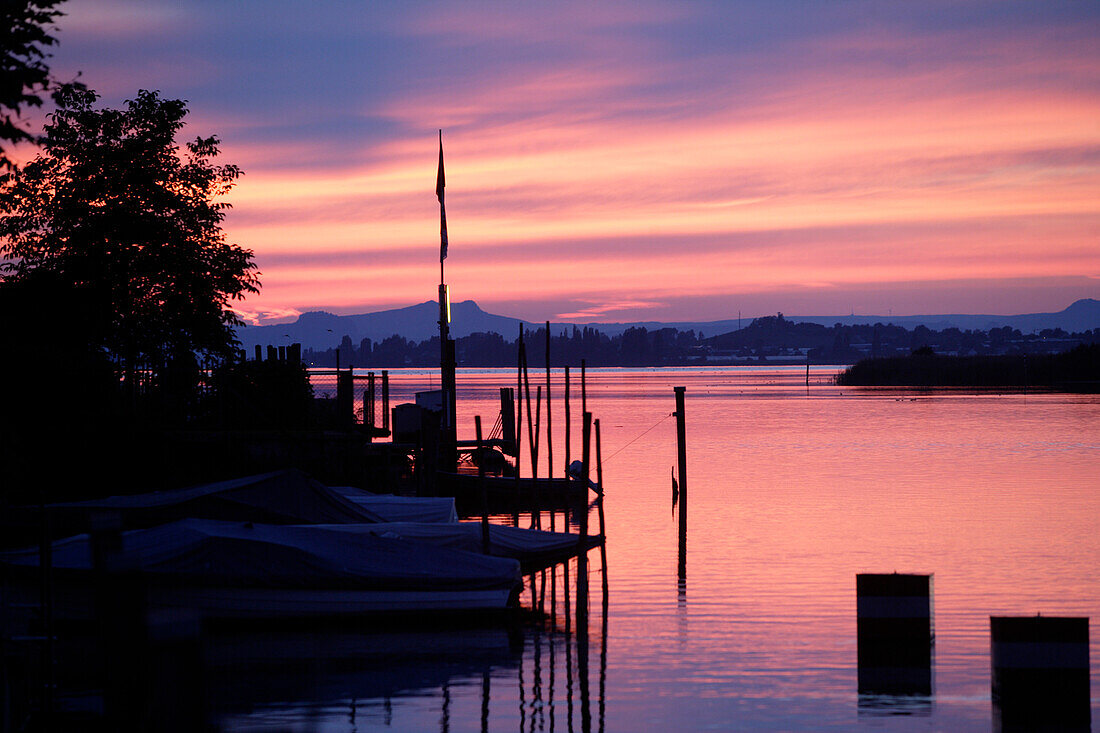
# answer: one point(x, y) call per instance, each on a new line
point(222, 569)
point(534, 549)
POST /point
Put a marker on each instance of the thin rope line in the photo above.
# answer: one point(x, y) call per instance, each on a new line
point(639, 436)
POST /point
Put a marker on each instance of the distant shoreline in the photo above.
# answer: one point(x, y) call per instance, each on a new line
point(1077, 370)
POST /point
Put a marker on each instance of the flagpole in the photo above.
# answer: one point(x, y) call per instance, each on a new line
point(448, 444)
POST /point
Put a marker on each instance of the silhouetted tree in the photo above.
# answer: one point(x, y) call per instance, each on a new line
point(114, 209)
point(23, 71)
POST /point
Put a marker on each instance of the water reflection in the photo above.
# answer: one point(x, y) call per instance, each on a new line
point(891, 705)
point(350, 680)
point(790, 497)
point(341, 667)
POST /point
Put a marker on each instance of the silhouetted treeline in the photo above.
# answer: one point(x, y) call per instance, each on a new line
point(1077, 369)
point(772, 339)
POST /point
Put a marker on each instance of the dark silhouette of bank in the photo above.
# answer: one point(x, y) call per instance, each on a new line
point(115, 289)
point(1076, 370)
point(767, 340)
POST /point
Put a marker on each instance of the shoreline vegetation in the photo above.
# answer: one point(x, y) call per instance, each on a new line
point(1077, 370)
point(772, 340)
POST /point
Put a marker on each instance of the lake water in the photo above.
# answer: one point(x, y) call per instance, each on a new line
point(793, 490)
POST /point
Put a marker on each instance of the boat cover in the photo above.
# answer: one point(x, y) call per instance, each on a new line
point(526, 545)
point(279, 497)
point(392, 508)
point(206, 552)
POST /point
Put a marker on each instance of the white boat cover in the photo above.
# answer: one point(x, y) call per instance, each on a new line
point(390, 508)
point(522, 544)
point(279, 497)
point(244, 555)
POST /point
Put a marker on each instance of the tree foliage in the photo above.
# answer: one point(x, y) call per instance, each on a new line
point(23, 71)
point(128, 221)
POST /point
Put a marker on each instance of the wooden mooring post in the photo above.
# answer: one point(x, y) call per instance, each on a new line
point(582, 537)
point(681, 458)
point(565, 517)
point(603, 526)
point(549, 441)
point(521, 357)
point(482, 487)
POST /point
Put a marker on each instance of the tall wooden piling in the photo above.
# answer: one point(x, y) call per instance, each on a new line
point(508, 419)
point(549, 441)
point(385, 399)
point(582, 538)
point(599, 507)
point(537, 493)
point(483, 489)
point(584, 388)
point(681, 458)
point(582, 576)
point(567, 426)
point(521, 357)
point(533, 443)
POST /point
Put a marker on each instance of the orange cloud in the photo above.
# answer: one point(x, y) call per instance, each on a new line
point(629, 158)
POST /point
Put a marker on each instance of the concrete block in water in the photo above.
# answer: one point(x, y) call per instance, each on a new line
point(1040, 672)
point(895, 632)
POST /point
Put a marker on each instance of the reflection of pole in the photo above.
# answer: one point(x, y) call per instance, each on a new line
point(553, 666)
point(445, 713)
point(568, 657)
point(565, 590)
point(582, 672)
point(485, 701)
point(522, 695)
point(538, 709)
point(681, 451)
point(603, 664)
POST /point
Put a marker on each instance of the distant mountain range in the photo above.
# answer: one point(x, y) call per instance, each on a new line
point(321, 330)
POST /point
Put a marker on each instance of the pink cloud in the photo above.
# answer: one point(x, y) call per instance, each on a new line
point(598, 311)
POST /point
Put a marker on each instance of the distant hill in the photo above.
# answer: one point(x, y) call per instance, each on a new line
point(1082, 315)
point(321, 330)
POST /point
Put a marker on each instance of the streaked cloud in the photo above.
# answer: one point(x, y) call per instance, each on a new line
point(640, 158)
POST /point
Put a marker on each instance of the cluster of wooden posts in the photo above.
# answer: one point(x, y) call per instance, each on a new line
point(1040, 664)
point(577, 476)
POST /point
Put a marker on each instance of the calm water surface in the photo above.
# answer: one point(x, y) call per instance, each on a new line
point(792, 491)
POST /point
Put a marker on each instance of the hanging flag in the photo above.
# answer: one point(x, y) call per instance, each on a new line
point(439, 184)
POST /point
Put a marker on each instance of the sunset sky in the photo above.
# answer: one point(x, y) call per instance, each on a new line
point(637, 161)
